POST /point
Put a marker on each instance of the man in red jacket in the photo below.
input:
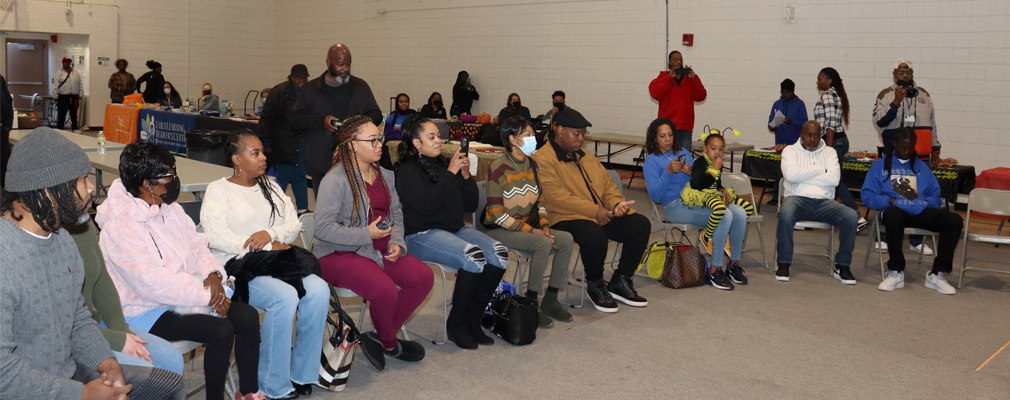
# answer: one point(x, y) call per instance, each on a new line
point(677, 90)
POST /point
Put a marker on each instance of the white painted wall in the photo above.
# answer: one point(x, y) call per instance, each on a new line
point(603, 53)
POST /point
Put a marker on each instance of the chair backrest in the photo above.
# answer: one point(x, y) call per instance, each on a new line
point(308, 233)
point(481, 205)
point(739, 182)
point(616, 177)
point(990, 201)
point(192, 209)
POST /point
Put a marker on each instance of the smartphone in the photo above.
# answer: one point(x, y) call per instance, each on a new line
point(681, 158)
point(336, 123)
point(464, 145)
point(682, 71)
point(383, 225)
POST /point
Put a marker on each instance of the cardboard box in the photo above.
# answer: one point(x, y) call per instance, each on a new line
point(28, 122)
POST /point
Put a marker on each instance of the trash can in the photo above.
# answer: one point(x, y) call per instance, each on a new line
point(207, 146)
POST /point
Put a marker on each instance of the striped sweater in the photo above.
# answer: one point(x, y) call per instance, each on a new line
point(512, 194)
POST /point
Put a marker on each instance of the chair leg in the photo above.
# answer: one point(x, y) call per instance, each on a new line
point(638, 163)
point(580, 283)
point(831, 250)
point(764, 255)
point(445, 313)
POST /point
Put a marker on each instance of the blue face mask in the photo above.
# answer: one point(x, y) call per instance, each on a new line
point(529, 145)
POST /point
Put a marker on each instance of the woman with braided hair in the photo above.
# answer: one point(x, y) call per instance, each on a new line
point(359, 241)
point(250, 224)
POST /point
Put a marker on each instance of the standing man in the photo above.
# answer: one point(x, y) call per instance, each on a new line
point(795, 111)
point(907, 194)
point(67, 89)
point(583, 201)
point(324, 103)
point(677, 90)
point(121, 82)
point(811, 172)
point(285, 147)
point(50, 346)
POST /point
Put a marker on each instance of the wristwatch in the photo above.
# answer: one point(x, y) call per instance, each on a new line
point(219, 276)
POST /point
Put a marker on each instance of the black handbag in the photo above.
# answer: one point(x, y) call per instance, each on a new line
point(515, 318)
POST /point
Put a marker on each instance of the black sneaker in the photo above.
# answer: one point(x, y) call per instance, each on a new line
point(719, 280)
point(600, 296)
point(843, 274)
point(736, 274)
point(372, 348)
point(407, 350)
point(623, 290)
point(782, 273)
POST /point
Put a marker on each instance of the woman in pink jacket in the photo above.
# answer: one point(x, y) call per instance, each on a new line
point(169, 283)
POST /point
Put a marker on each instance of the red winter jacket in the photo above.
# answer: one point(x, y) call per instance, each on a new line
point(676, 102)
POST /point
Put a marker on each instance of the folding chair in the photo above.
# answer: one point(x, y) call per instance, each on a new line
point(740, 183)
point(878, 230)
point(829, 248)
point(192, 209)
point(989, 201)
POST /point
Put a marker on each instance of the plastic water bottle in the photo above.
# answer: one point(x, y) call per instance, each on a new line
point(101, 142)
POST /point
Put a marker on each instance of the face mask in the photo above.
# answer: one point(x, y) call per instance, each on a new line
point(168, 91)
point(529, 145)
point(516, 104)
point(173, 191)
point(206, 92)
point(559, 106)
point(437, 103)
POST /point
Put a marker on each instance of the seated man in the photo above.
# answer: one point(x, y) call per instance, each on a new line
point(50, 347)
point(581, 199)
point(811, 173)
point(907, 194)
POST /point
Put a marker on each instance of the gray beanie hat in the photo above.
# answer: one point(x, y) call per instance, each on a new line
point(43, 159)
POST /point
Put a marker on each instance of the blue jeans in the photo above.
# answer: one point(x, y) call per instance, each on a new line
point(467, 249)
point(732, 226)
point(295, 175)
point(278, 364)
point(684, 140)
point(841, 147)
point(162, 352)
point(829, 211)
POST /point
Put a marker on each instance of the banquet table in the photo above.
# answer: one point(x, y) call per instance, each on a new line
point(486, 154)
point(194, 176)
point(87, 143)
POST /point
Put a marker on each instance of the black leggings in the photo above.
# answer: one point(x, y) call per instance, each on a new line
point(241, 327)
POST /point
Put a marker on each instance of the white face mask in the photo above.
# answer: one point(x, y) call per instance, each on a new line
point(168, 91)
point(529, 145)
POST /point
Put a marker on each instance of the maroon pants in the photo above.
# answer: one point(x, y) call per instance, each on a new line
point(390, 306)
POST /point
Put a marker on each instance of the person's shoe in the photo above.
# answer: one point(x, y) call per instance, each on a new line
point(736, 274)
point(938, 282)
point(490, 278)
point(719, 280)
point(601, 297)
point(862, 224)
point(773, 202)
point(782, 273)
point(371, 346)
point(926, 251)
point(302, 390)
point(880, 245)
point(843, 274)
point(300, 212)
point(290, 396)
point(624, 291)
point(553, 308)
point(706, 244)
point(250, 396)
point(76, 131)
point(894, 280)
point(456, 326)
point(543, 321)
point(407, 350)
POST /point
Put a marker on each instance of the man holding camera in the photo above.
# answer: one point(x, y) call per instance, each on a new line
point(676, 90)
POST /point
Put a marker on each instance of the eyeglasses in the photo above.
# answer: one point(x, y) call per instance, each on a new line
point(170, 174)
point(375, 142)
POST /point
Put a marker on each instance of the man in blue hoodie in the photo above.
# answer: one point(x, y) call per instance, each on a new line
point(907, 193)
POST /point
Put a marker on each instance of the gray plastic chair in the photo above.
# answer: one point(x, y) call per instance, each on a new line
point(740, 183)
point(829, 248)
point(989, 201)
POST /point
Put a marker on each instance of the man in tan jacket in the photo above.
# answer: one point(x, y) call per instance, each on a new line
point(581, 199)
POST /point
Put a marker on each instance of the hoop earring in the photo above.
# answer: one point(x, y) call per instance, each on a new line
point(238, 170)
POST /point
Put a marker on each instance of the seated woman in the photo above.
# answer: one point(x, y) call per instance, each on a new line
point(668, 169)
point(359, 241)
point(436, 193)
point(513, 106)
point(209, 101)
point(168, 281)
point(434, 109)
point(250, 224)
point(395, 118)
point(170, 97)
point(516, 217)
point(131, 346)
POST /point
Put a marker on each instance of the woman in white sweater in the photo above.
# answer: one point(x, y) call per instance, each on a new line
point(250, 224)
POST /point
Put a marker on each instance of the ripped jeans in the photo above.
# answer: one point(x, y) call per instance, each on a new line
point(467, 249)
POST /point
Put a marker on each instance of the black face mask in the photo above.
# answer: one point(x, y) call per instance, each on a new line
point(517, 104)
point(172, 194)
point(206, 92)
point(559, 106)
point(437, 103)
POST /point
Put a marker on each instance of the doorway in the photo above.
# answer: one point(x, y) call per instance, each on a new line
point(28, 74)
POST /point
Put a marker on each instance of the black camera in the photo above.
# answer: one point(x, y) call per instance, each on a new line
point(682, 71)
point(910, 91)
point(383, 225)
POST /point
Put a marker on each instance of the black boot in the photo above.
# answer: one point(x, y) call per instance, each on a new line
point(462, 297)
point(489, 280)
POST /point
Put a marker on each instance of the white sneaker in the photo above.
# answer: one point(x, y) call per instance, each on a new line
point(938, 282)
point(880, 246)
point(862, 224)
point(894, 280)
point(924, 247)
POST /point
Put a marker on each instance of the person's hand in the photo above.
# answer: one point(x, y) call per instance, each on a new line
point(375, 232)
point(547, 232)
point(112, 373)
point(717, 164)
point(788, 121)
point(934, 160)
point(622, 208)
point(98, 390)
point(134, 346)
point(394, 252)
point(465, 166)
point(899, 95)
point(257, 240)
point(772, 130)
point(725, 195)
point(675, 166)
point(456, 162)
point(892, 200)
point(222, 309)
point(217, 295)
point(554, 110)
point(603, 216)
point(328, 123)
point(275, 245)
point(691, 74)
point(687, 168)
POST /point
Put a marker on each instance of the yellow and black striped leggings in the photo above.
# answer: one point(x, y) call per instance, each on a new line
point(719, 210)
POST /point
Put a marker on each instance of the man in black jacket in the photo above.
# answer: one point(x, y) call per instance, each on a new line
point(284, 147)
point(324, 102)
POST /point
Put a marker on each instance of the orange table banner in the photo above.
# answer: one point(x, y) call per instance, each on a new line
point(121, 123)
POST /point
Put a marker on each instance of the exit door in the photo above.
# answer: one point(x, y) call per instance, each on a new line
point(27, 74)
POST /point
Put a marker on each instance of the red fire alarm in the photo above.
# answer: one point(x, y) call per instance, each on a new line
point(688, 39)
point(53, 38)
